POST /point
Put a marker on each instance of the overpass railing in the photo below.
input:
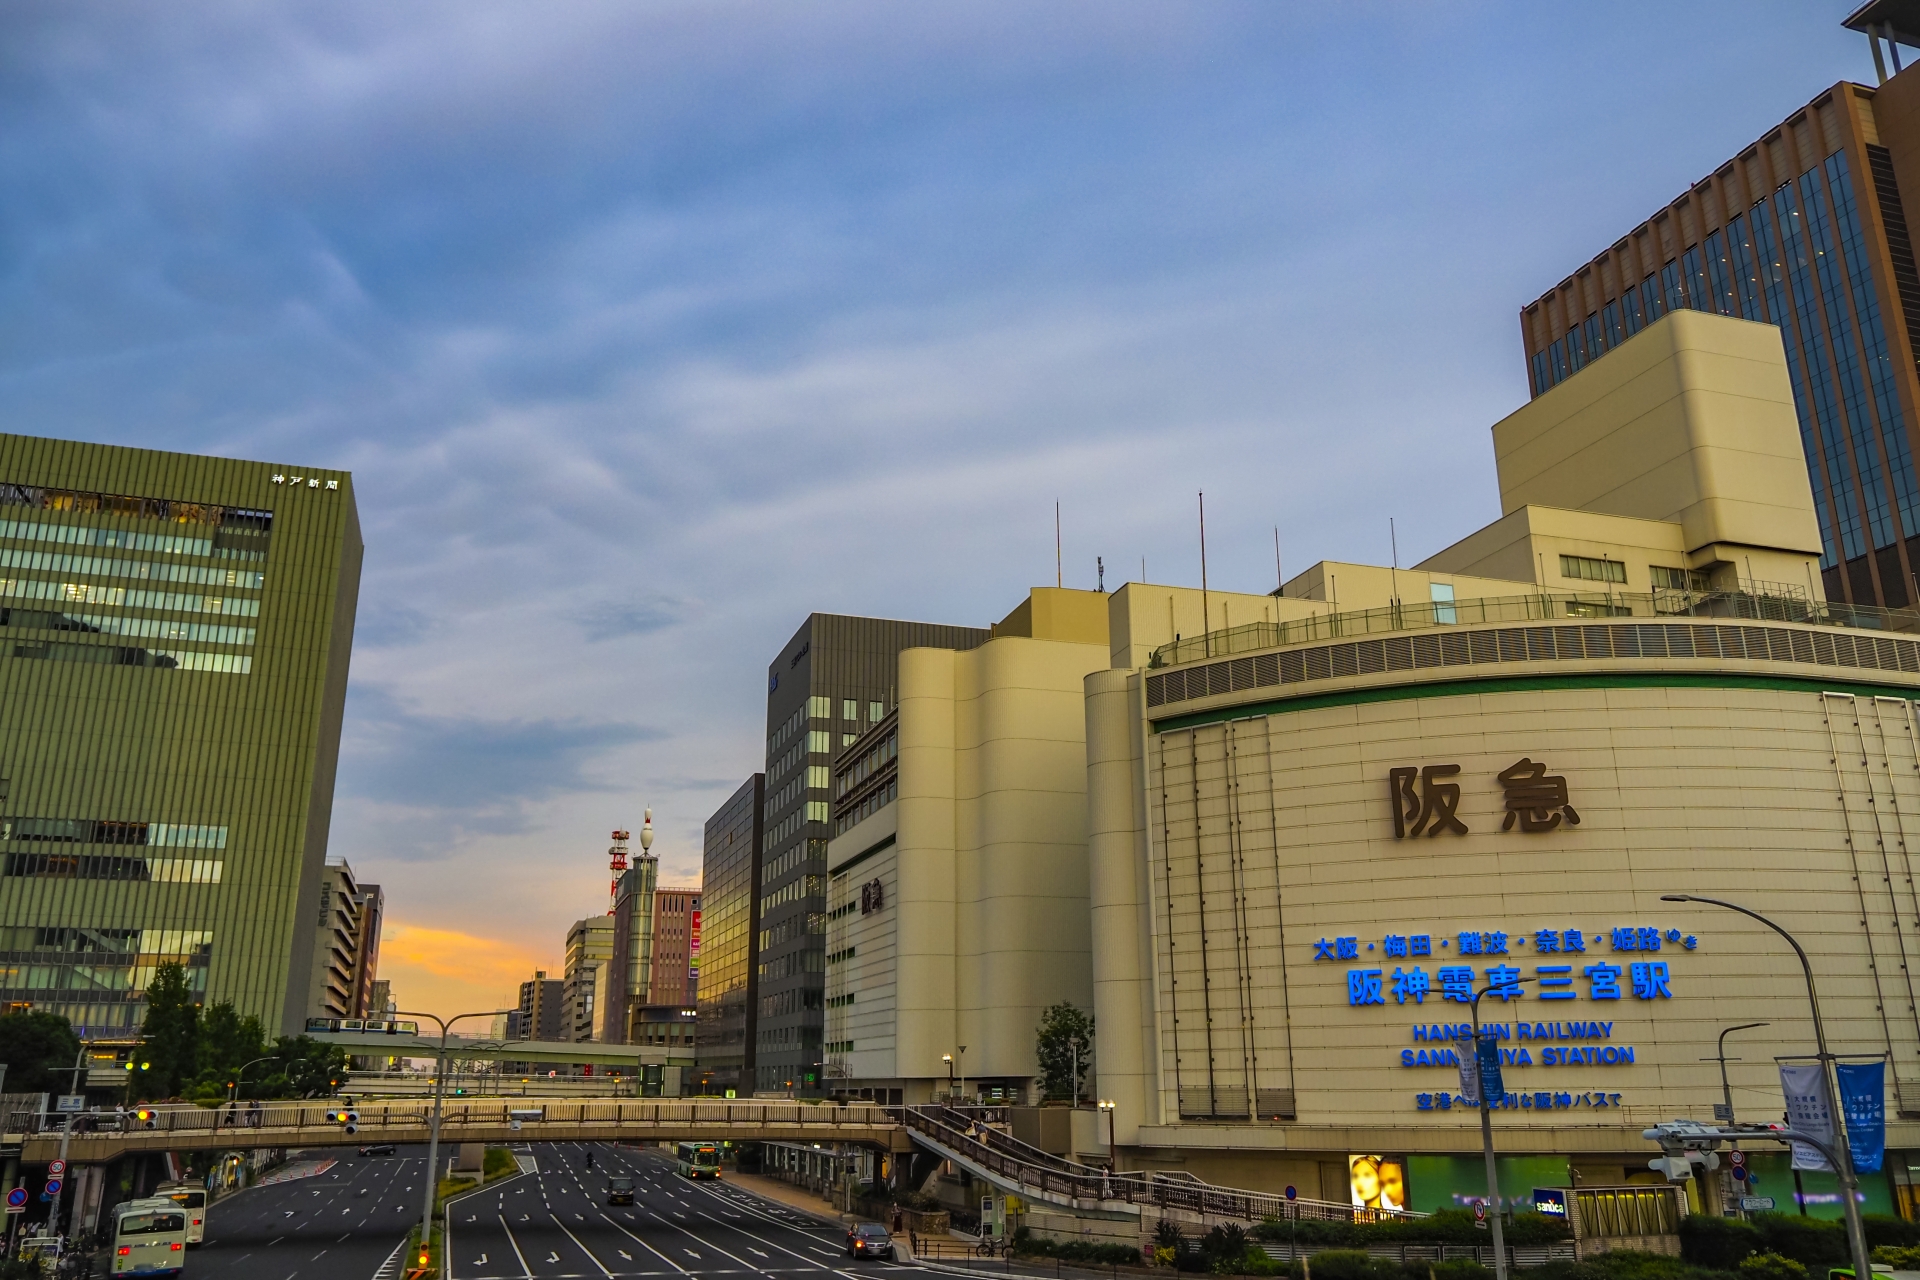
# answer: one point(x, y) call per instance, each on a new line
point(1054, 1176)
point(375, 1116)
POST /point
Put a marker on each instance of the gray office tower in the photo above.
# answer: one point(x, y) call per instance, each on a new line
point(834, 678)
point(729, 954)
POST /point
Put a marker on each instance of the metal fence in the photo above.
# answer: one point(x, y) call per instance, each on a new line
point(1545, 606)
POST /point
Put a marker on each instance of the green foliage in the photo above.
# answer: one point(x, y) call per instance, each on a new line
point(1814, 1242)
point(1448, 1226)
point(34, 1046)
point(1629, 1264)
point(1885, 1229)
point(1226, 1243)
point(1167, 1234)
point(227, 1043)
point(1719, 1243)
point(918, 1200)
point(168, 1036)
point(23, 1268)
point(1456, 1269)
point(1032, 1246)
point(1352, 1264)
point(304, 1068)
point(1900, 1259)
point(1771, 1266)
point(1064, 1032)
point(498, 1161)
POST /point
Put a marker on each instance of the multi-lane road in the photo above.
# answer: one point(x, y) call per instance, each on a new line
point(551, 1221)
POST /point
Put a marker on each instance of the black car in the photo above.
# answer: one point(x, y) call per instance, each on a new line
point(869, 1240)
point(619, 1189)
point(377, 1149)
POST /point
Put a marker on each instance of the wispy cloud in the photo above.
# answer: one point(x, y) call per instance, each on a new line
point(648, 329)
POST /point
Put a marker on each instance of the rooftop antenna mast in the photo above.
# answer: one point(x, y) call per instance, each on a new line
point(617, 863)
point(1206, 614)
point(1279, 578)
point(1394, 538)
point(1058, 579)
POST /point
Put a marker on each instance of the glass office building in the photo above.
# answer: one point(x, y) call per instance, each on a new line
point(1805, 230)
point(729, 890)
point(835, 677)
point(174, 639)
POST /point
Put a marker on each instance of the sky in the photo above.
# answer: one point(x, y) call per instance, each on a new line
point(647, 329)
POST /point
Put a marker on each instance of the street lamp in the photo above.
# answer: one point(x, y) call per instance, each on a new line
point(1486, 1133)
point(948, 1059)
point(1113, 1151)
point(1726, 1090)
point(1842, 1147)
point(233, 1085)
point(433, 1124)
point(963, 1068)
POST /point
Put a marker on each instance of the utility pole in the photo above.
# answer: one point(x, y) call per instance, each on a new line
point(1724, 1112)
point(66, 1136)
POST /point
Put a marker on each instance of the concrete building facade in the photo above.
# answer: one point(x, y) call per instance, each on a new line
point(957, 897)
point(1313, 840)
point(1805, 230)
point(835, 677)
point(589, 955)
point(174, 642)
point(674, 978)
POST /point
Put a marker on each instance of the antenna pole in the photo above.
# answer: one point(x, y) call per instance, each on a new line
point(1057, 579)
point(1206, 612)
point(1394, 538)
point(1279, 578)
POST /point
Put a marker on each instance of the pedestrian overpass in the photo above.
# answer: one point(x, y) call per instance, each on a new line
point(99, 1137)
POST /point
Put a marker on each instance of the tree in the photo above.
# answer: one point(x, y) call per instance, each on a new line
point(227, 1043)
point(306, 1068)
point(35, 1046)
point(169, 1036)
point(1064, 1048)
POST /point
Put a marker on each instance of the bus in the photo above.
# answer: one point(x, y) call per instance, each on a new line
point(192, 1197)
point(149, 1238)
point(699, 1160)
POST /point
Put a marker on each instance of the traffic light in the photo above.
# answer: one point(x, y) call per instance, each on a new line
point(144, 1117)
point(346, 1119)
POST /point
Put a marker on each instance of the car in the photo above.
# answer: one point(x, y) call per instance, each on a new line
point(619, 1189)
point(377, 1149)
point(869, 1240)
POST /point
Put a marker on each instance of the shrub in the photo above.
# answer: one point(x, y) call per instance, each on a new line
point(1559, 1270)
point(1896, 1233)
point(1352, 1264)
point(1771, 1266)
point(1167, 1234)
point(1717, 1242)
point(1534, 1229)
point(1226, 1243)
point(1896, 1257)
point(1813, 1242)
point(1452, 1269)
point(1631, 1264)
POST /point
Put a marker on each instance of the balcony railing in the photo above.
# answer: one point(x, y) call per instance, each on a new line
point(1545, 606)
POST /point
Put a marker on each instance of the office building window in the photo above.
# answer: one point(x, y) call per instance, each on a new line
point(820, 707)
point(1610, 318)
point(1441, 594)
point(849, 709)
point(876, 712)
point(1592, 569)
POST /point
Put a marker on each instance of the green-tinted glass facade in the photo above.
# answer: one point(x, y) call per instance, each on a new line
point(174, 639)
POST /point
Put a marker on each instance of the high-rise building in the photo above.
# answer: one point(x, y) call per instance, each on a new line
point(542, 1014)
point(174, 640)
point(832, 680)
point(589, 951)
point(334, 988)
point(1805, 230)
point(676, 947)
point(729, 952)
point(372, 910)
point(630, 964)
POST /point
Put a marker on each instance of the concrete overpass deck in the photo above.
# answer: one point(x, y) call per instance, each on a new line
point(100, 1137)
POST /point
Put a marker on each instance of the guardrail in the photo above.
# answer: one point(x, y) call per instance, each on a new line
point(1044, 1175)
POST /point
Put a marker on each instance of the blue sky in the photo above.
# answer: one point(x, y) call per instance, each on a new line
point(647, 329)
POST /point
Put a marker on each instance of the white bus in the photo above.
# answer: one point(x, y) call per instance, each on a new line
point(191, 1196)
point(149, 1238)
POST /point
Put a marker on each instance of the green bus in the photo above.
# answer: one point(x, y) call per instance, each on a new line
point(699, 1160)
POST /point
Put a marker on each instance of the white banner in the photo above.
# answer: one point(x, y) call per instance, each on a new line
point(1469, 1075)
point(1809, 1110)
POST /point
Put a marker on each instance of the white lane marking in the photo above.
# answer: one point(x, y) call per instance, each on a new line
point(516, 1249)
point(644, 1245)
point(576, 1239)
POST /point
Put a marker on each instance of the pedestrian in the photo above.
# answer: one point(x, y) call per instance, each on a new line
point(896, 1222)
point(253, 1114)
point(233, 1114)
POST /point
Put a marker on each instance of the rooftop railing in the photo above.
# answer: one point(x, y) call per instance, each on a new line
point(1544, 606)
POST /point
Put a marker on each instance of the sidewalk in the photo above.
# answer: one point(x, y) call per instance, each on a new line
point(792, 1197)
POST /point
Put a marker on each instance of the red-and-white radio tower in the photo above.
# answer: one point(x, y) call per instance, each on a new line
point(617, 860)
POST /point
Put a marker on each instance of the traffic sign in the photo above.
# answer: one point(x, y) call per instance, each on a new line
point(1739, 1173)
point(1292, 1194)
point(17, 1198)
point(71, 1103)
point(56, 1167)
point(1723, 1113)
point(16, 1208)
point(1736, 1158)
point(1756, 1204)
point(52, 1188)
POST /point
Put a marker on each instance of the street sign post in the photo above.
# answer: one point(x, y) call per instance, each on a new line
point(71, 1103)
point(56, 1167)
point(1756, 1204)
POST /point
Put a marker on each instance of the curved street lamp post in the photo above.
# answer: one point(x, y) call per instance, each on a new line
point(433, 1122)
point(1842, 1155)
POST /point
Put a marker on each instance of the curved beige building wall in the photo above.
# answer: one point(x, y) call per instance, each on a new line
point(1774, 765)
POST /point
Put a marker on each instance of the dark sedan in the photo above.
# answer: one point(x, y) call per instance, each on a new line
point(869, 1240)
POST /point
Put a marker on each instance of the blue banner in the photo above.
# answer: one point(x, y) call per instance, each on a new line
point(1863, 1100)
point(1487, 1052)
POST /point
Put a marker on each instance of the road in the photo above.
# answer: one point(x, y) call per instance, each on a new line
point(549, 1222)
